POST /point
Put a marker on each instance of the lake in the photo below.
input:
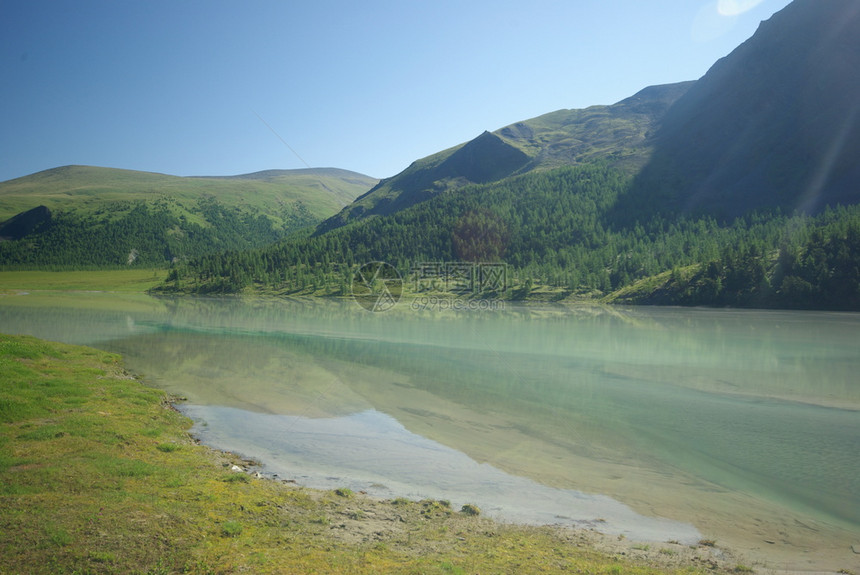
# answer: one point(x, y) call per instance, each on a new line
point(652, 423)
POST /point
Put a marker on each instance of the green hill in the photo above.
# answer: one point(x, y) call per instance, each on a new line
point(85, 188)
point(88, 216)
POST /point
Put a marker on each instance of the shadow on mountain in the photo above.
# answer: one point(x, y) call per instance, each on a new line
point(487, 158)
point(775, 124)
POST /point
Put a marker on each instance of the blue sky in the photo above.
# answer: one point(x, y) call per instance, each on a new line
point(218, 88)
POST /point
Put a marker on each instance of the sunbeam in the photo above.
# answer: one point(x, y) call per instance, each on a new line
point(808, 200)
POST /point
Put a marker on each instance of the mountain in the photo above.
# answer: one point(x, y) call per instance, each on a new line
point(722, 191)
point(776, 123)
point(620, 134)
point(90, 216)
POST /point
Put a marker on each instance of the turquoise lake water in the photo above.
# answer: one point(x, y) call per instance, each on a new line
point(655, 423)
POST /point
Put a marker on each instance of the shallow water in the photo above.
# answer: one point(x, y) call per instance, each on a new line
point(658, 423)
point(370, 451)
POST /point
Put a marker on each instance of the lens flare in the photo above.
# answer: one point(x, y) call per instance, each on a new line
point(709, 24)
point(736, 7)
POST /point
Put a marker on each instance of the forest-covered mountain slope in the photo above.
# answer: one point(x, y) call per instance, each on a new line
point(739, 189)
point(555, 229)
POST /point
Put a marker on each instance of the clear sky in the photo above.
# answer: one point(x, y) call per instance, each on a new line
point(220, 88)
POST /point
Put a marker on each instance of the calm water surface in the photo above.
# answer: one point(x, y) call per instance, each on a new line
point(659, 424)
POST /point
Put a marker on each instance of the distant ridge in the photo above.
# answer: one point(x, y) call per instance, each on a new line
point(322, 190)
point(74, 170)
point(269, 174)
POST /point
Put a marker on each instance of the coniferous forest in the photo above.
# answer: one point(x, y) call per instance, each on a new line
point(562, 229)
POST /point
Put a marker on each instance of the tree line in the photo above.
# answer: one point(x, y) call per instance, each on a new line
point(815, 265)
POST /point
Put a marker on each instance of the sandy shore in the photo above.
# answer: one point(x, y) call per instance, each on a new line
point(363, 519)
point(368, 519)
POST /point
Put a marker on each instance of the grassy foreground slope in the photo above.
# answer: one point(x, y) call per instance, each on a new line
point(99, 475)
